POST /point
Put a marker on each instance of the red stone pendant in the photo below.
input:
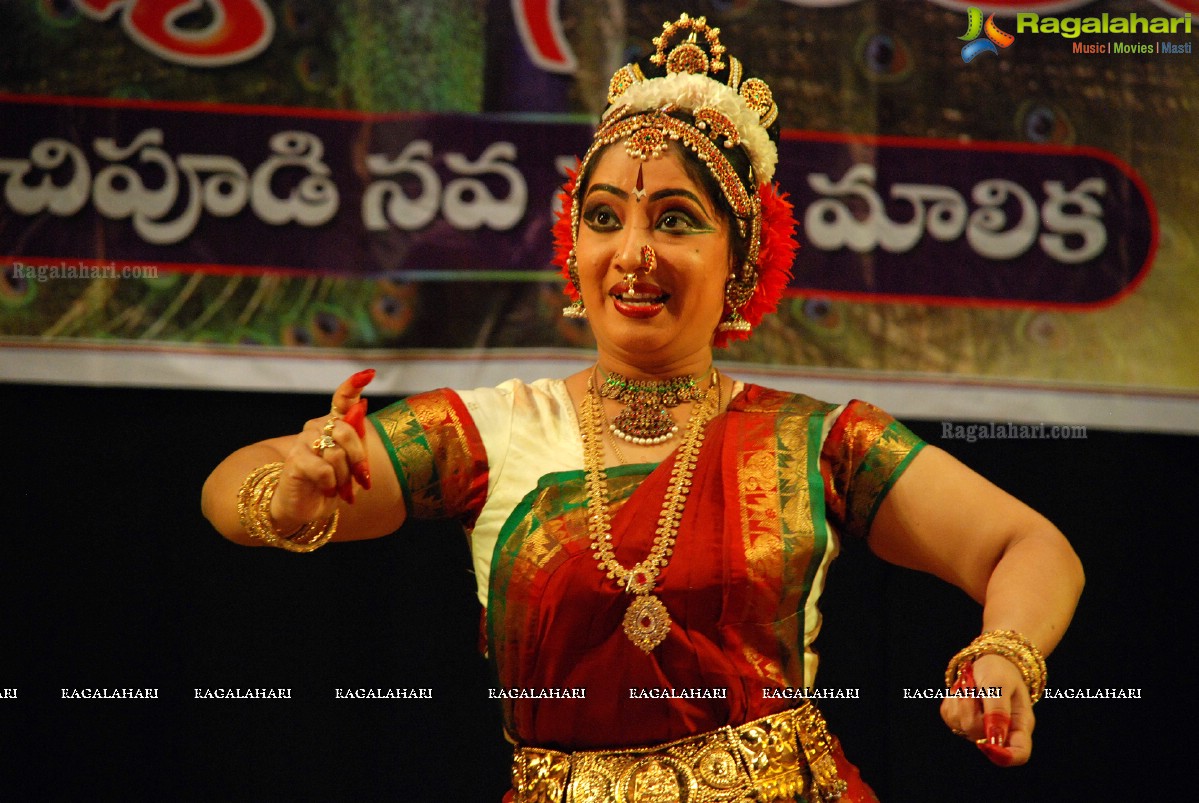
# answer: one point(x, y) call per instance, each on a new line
point(646, 622)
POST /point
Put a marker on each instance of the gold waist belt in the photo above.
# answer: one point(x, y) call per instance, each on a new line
point(770, 759)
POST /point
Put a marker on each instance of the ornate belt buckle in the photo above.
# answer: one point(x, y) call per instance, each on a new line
point(773, 756)
point(656, 779)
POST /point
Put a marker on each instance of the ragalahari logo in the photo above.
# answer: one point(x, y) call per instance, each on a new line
point(974, 27)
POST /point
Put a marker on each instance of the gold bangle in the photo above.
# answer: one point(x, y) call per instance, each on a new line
point(1010, 645)
point(254, 511)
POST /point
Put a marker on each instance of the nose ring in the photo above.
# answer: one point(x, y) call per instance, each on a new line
point(649, 260)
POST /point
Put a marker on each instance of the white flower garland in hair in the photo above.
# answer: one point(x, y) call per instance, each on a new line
point(691, 93)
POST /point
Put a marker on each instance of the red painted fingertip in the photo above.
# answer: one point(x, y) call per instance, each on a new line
point(362, 473)
point(329, 493)
point(995, 726)
point(346, 492)
point(356, 417)
point(362, 378)
point(1000, 756)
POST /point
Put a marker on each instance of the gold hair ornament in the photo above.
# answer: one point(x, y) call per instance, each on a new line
point(689, 56)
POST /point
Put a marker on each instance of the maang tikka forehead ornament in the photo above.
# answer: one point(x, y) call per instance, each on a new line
point(703, 103)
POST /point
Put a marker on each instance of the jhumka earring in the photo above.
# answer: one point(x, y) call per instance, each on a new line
point(741, 286)
point(575, 310)
point(737, 292)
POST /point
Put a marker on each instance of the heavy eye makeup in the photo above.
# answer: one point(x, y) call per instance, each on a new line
point(674, 219)
point(681, 221)
point(601, 217)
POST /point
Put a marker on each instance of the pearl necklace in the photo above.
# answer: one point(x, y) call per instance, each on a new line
point(646, 621)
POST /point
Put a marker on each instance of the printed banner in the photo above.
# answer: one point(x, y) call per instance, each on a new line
point(269, 189)
point(996, 215)
point(442, 196)
point(1013, 224)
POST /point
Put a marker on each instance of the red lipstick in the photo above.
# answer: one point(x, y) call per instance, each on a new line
point(639, 299)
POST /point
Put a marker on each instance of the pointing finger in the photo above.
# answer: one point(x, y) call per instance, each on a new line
point(347, 394)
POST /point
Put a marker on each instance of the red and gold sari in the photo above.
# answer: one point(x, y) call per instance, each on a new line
point(780, 478)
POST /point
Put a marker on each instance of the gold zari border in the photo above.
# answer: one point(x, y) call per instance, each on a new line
point(770, 759)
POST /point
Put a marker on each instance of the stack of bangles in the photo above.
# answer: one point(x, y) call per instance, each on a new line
point(254, 509)
point(1012, 646)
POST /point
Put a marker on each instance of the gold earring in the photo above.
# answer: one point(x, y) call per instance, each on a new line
point(737, 293)
point(575, 310)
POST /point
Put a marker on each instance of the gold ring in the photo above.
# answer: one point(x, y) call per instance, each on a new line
point(328, 428)
point(322, 443)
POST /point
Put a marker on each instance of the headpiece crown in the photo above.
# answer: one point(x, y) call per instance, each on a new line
point(688, 56)
point(692, 93)
point(702, 80)
point(689, 46)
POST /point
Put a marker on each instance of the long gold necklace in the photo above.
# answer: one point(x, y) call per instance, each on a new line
point(646, 621)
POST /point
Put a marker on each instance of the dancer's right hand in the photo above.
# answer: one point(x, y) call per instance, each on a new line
point(315, 476)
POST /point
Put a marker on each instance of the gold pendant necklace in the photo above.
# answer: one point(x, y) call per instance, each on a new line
point(646, 621)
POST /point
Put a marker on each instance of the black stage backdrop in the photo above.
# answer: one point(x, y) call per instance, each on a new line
point(112, 579)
